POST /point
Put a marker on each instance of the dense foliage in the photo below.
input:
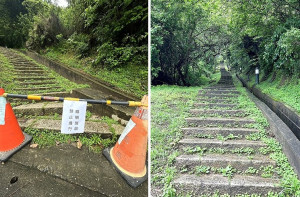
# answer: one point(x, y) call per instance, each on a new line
point(189, 37)
point(11, 34)
point(185, 44)
point(268, 35)
point(111, 35)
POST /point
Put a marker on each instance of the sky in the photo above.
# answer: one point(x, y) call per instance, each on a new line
point(61, 3)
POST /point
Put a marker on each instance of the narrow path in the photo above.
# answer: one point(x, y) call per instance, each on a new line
point(216, 157)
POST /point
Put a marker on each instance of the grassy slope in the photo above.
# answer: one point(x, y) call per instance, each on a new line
point(287, 93)
point(169, 108)
point(132, 79)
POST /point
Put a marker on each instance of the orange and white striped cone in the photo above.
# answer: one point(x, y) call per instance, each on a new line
point(12, 138)
point(128, 156)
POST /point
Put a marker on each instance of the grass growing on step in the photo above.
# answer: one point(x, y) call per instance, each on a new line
point(46, 138)
point(289, 180)
point(170, 106)
point(7, 75)
point(65, 84)
point(287, 92)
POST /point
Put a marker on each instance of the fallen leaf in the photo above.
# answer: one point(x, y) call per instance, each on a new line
point(79, 144)
point(33, 145)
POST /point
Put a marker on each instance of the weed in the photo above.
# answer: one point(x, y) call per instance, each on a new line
point(228, 171)
point(202, 170)
point(251, 170)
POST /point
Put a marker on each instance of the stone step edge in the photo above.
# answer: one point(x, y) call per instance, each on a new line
point(238, 184)
point(222, 160)
point(190, 131)
point(33, 123)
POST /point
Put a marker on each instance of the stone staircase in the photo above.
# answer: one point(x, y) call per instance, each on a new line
point(63, 169)
point(32, 78)
point(216, 157)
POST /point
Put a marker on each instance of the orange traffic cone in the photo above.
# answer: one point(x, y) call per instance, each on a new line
point(12, 138)
point(129, 154)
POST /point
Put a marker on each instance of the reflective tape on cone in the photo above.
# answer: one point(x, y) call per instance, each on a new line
point(130, 154)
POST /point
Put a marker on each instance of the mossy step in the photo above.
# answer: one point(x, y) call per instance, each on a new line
point(239, 162)
point(100, 128)
point(218, 121)
point(215, 105)
point(209, 184)
point(223, 86)
point(215, 143)
point(228, 101)
point(54, 94)
point(217, 96)
point(219, 88)
point(214, 131)
point(37, 88)
point(218, 112)
point(37, 83)
point(34, 78)
point(30, 71)
point(220, 92)
point(26, 68)
point(40, 109)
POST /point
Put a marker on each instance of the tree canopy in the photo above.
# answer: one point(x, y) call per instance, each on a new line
point(189, 38)
point(114, 31)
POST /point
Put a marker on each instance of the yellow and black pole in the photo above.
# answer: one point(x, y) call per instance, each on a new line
point(92, 101)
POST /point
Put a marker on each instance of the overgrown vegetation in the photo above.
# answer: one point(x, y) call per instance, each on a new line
point(6, 75)
point(169, 106)
point(185, 44)
point(289, 180)
point(189, 37)
point(102, 36)
point(280, 87)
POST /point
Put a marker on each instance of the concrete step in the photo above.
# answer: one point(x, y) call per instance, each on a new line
point(34, 182)
point(214, 143)
point(26, 67)
point(232, 113)
point(38, 88)
point(121, 112)
point(228, 101)
point(215, 105)
point(209, 184)
point(38, 71)
point(218, 96)
point(34, 78)
point(65, 163)
point(220, 92)
point(217, 131)
point(239, 162)
point(40, 109)
point(55, 94)
point(219, 88)
point(100, 128)
point(37, 83)
point(218, 121)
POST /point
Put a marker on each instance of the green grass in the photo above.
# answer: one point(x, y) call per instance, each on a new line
point(7, 75)
point(287, 93)
point(169, 108)
point(65, 84)
point(131, 79)
point(46, 138)
point(288, 178)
